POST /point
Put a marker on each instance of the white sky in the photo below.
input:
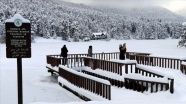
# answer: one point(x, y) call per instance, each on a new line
point(173, 5)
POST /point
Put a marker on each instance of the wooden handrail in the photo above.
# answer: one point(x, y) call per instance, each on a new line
point(77, 60)
point(150, 73)
point(53, 60)
point(183, 67)
point(141, 85)
point(163, 62)
point(111, 66)
point(98, 86)
point(115, 82)
point(104, 56)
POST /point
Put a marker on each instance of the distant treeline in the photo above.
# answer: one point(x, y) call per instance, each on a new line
point(76, 20)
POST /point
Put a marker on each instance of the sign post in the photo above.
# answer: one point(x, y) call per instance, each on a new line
point(18, 45)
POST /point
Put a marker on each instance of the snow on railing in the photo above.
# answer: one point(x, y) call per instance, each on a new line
point(144, 70)
point(150, 79)
point(56, 60)
point(129, 54)
point(53, 60)
point(93, 84)
point(111, 66)
point(155, 74)
point(183, 63)
point(115, 67)
point(164, 62)
point(142, 84)
point(183, 67)
point(114, 78)
point(84, 75)
point(81, 91)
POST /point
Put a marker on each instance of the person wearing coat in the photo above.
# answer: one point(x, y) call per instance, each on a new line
point(122, 49)
point(120, 52)
point(64, 52)
point(90, 51)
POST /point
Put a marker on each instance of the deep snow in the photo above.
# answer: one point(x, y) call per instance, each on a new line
point(40, 86)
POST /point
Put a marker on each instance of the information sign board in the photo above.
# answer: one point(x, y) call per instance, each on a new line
point(18, 39)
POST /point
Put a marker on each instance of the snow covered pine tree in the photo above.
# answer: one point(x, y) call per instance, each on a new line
point(182, 41)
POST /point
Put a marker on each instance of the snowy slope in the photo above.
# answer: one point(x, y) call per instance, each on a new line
point(141, 23)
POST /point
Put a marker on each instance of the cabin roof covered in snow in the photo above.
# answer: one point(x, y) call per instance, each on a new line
point(99, 33)
point(184, 23)
point(17, 16)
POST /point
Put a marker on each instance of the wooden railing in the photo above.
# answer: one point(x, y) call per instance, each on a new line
point(134, 83)
point(108, 56)
point(56, 60)
point(183, 67)
point(98, 86)
point(103, 56)
point(142, 85)
point(53, 60)
point(115, 82)
point(74, 62)
point(130, 54)
point(102, 63)
point(172, 63)
point(115, 67)
point(154, 74)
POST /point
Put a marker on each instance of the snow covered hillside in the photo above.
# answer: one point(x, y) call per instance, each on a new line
point(48, 16)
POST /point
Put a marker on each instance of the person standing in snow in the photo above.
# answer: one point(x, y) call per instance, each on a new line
point(90, 51)
point(64, 52)
point(122, 50)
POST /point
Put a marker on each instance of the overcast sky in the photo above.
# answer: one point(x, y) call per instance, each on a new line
point(173, 5)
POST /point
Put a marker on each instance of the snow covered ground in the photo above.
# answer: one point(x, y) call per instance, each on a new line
point(39, 86)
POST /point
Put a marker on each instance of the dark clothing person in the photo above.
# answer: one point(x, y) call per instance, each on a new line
point(90, 51)
point(121, 53)
point(64, 52)
point(122, 50)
